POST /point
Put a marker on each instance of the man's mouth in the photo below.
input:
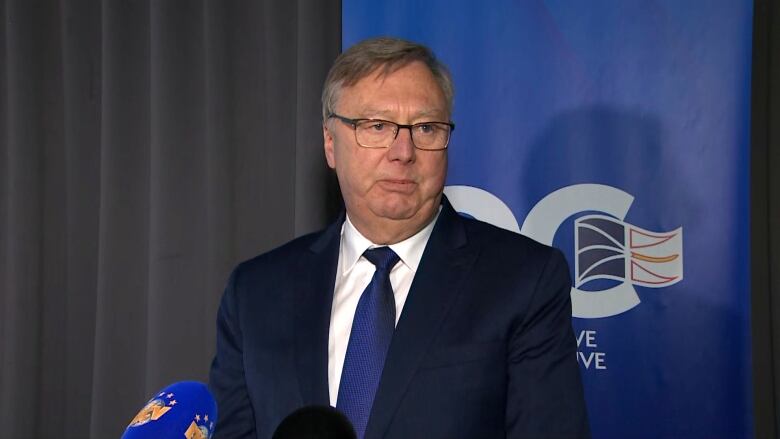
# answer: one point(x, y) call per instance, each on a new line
point(397, 185)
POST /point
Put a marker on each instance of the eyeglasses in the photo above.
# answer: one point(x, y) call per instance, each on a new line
point(378, 133)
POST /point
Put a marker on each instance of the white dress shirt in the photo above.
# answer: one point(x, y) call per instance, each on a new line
point(353, 275)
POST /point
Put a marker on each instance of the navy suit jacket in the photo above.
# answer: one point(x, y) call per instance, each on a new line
point(484, 347)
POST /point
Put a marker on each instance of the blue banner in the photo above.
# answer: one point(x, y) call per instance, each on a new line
point(619, 133)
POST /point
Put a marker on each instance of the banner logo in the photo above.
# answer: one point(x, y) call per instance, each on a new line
point(605, 246)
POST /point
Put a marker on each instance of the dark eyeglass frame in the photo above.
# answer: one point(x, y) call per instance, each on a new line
point(354, 123)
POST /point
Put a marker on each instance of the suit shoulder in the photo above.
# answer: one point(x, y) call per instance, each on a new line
point(281, 256)
point(491, 236)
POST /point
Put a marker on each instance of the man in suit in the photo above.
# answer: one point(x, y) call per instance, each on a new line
point(412, 320)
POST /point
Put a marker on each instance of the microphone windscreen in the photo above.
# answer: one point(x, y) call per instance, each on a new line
point(181, 410)
point(315, 422)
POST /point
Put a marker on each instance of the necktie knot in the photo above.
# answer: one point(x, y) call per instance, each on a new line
point(384, 258)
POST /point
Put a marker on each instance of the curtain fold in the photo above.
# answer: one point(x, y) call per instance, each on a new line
point(147, 147)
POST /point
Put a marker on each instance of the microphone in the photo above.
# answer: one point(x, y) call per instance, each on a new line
point(315, 422)
point(181, 410)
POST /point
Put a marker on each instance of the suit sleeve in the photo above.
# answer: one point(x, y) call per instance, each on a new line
point(235, 418)
point(544, 395)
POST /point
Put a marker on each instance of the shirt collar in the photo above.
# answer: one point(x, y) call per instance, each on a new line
point(410, 250)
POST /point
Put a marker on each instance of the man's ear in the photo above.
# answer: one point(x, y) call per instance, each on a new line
point(330, 153)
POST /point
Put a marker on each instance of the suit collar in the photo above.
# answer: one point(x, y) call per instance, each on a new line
point(314, 282)
point(446, 262)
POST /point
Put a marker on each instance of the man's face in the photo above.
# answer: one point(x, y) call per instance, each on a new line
point(401, 182)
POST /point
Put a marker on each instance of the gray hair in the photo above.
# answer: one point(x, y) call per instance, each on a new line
point(387, 54)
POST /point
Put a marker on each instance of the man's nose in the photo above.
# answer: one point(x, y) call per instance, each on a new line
point(402, 148)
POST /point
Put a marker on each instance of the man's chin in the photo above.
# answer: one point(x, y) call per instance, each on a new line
point(395, 212)
point(402, 211)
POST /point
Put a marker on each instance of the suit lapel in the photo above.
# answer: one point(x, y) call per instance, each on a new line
point(445, 263)
point(314, 280)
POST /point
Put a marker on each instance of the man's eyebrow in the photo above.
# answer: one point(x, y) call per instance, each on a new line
point(386, 114)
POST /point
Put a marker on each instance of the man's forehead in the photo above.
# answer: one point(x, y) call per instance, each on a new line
point(368, 98)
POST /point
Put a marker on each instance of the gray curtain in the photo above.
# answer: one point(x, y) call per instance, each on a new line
point(145, 148)
point(765, 217)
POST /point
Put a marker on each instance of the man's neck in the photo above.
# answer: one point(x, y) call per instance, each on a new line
point(388, 231)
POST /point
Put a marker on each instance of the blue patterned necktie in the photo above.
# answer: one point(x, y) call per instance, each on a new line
point(372, 331)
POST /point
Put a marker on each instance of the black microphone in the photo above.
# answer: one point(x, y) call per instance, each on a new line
point(181, 410)
point(315, 422)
